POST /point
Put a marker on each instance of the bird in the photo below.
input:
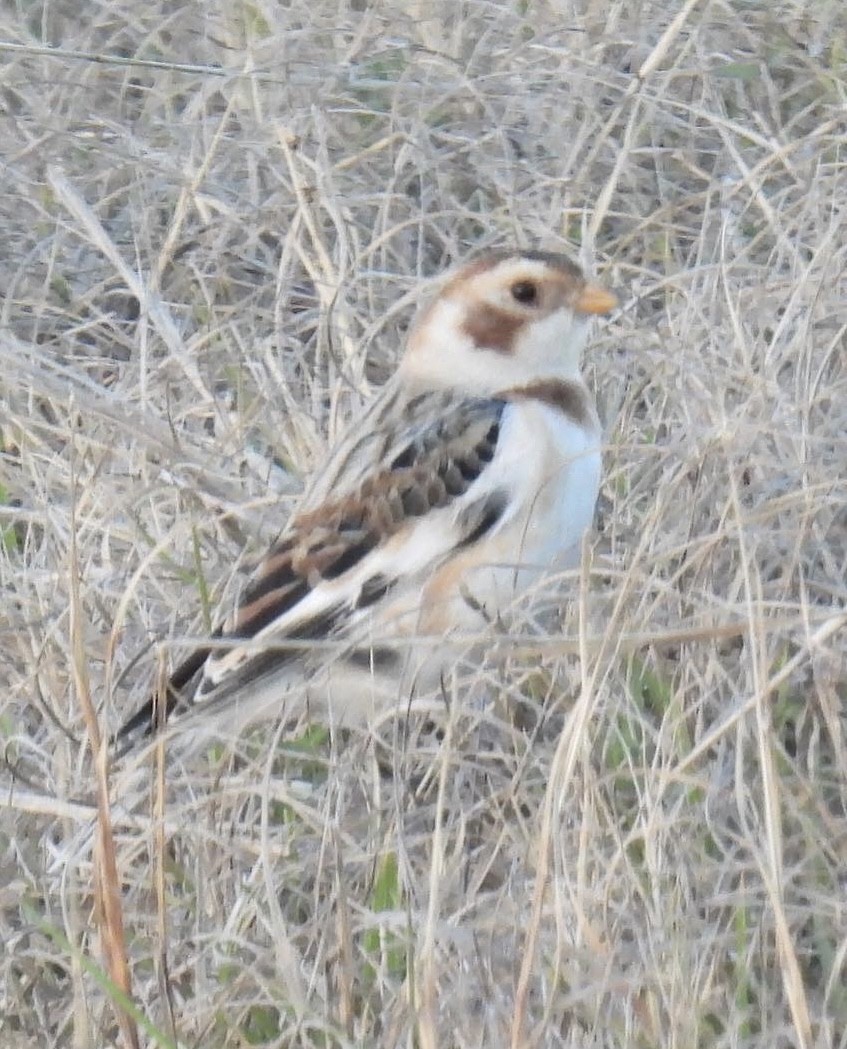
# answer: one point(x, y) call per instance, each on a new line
point(474, 470)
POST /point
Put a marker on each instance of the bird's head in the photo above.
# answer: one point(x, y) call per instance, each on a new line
point(505, 319)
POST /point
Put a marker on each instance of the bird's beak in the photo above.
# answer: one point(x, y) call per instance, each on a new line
point(594, 299)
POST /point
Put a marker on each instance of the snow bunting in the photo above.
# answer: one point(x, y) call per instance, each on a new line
point(475, 469)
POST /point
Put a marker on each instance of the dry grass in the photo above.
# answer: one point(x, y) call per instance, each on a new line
point(215, 221)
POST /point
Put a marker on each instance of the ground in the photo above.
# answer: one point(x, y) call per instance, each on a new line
point(216, 223)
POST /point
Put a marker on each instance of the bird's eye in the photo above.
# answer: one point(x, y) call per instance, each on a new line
point(525, 292)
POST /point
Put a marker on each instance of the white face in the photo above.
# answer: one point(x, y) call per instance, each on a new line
point(505, 321)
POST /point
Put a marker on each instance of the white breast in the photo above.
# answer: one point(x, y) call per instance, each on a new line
point(552, 464)
point(568, 491)
point(550, 467)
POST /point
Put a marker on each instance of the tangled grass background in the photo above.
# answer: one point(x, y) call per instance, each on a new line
point(216, 223)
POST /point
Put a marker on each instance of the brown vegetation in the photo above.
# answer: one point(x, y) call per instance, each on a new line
point(216, 221)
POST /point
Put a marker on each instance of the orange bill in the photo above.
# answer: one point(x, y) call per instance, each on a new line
point(594, 299)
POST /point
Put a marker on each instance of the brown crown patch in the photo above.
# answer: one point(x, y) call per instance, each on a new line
point(489, 259)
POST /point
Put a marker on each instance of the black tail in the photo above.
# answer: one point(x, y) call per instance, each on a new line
point(144, 721)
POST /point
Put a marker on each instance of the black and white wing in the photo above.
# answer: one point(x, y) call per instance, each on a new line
point(396, 499)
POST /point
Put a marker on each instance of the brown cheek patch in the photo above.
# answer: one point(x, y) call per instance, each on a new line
point(570, 398)
point(492, 329)
point(451, 288)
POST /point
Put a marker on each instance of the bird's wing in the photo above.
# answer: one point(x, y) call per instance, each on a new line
point(395, 500)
